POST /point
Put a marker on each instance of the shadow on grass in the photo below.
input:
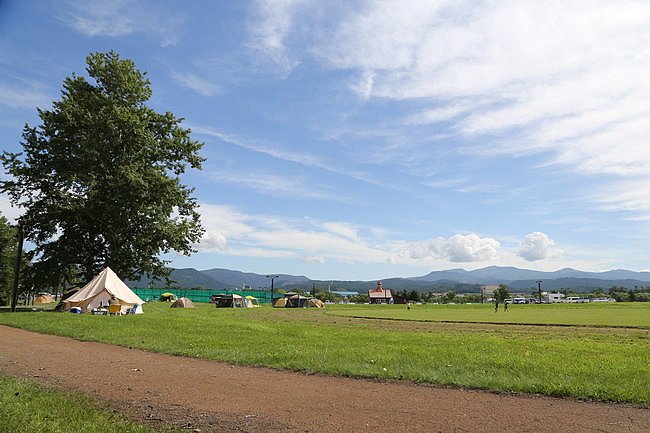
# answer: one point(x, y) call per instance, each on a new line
point(27, 309)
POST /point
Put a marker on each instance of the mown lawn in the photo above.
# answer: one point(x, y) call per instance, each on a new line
point(605, 364)
point(629, 314)
point(27, 407)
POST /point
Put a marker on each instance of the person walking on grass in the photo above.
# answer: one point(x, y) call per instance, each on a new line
point(496, 305)
point(505, 306)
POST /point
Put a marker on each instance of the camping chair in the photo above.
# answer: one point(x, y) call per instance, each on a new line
point(115, 309)
point(131, 310)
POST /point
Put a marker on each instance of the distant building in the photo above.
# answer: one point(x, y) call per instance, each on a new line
point(487, 291)
point(379, 295)
point(553, 298)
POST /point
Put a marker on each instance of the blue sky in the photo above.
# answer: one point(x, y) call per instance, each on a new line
point(361, 140)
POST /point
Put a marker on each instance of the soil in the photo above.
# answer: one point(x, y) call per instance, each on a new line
point(207, 396)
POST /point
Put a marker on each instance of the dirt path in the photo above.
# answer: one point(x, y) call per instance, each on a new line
point(218, 397)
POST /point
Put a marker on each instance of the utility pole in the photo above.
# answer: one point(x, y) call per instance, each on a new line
point(19, 256)
point(272, 277)
point(539, 290)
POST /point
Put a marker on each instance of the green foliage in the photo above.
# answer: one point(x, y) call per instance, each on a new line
point(361, 298)
point(7, 259)
point(100, 179)
point(621, 294)
point(471, 299)
point(593, 363)
point(407, 296)
point(27, 407)
point(501, 293)
point(324, 295)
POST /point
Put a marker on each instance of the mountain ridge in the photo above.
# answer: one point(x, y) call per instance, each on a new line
point(457, 279)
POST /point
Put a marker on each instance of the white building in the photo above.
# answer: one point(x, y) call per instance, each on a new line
point(552, 298)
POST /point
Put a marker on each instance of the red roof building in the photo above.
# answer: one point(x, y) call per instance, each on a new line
point(380, 295)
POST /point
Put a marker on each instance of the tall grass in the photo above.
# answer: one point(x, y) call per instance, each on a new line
point(610, 365)
point(27, 407)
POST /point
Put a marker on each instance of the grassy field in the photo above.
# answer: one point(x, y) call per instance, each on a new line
point(609, 364)
point(600, 314)
point(27, 407)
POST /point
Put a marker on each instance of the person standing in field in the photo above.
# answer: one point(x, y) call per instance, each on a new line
point(505, 306)
point(496, 305)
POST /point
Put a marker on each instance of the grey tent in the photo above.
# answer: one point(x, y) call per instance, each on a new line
point(182, 303)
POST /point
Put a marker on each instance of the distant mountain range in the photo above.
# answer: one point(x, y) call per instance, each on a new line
point(459, 280)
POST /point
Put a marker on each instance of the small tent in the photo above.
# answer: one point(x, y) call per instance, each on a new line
point(167, 297)
point(315, 302)
point(252, 301)
point(295, 300)
point(44, 299)
point(231, 301)
point(99, 291)
point(280, 302)
point(182, 303)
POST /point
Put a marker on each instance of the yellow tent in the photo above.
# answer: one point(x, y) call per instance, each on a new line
point(252, 301)
point(280, 302)
point(167, 297)
point(43, 299)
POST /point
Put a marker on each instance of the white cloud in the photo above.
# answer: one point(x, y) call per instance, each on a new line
point(457, 248)
point(23, 98)
point(193, 82)
point(568, 80)
point(214, 240)
point(631, 195)
point(288, 185)
point(265, 236)
point(346, 230)
point(274, 22)
point(313, 259)
point(8, 211)
point(231, 232)
point(116, 18)
point(300, 158)
point(536, 246)
point(364, 86)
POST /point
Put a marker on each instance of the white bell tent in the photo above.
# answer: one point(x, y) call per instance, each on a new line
point(99, 291)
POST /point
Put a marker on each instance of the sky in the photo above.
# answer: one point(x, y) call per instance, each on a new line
point(374, 139)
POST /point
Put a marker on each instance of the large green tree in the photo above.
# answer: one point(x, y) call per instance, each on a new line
point(99, 179)
point(501, 293)
point(7, 259)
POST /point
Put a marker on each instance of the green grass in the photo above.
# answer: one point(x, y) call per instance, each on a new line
point(26, 407)
point(601, 314)
point(604, 364)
